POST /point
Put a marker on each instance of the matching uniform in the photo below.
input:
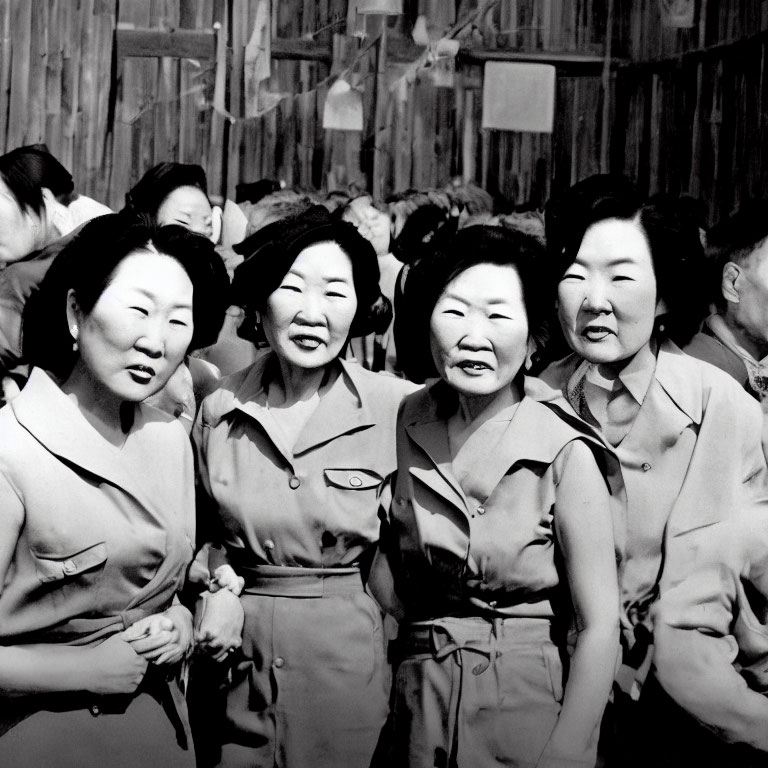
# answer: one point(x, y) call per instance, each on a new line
point(107, 538)
point(310, 685)
point(480, 675)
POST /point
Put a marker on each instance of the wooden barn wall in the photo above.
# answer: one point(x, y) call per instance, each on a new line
point(688, 111)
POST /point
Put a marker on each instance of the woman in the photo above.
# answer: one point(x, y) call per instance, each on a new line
point(291, 451)
point(175, 193)
point(686, 435)
point(38, 211)
point(97, 506)
point(499, 533)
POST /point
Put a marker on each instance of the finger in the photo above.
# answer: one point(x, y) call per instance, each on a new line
point(153, 642)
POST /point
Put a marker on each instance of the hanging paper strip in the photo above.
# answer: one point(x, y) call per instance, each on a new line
point(343, 108)
point(678, 14)
point(519, 96)
point(257, 64)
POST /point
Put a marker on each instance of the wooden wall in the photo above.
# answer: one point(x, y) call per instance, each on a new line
point(687, 107)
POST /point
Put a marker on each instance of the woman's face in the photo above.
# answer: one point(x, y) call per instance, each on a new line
point(20, 232)
point(607, 297)
point(139, 329)
point(479, 330)
point(308, 317)
point(189, 207)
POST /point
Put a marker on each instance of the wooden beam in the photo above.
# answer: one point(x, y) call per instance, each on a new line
point(300, 49)
point(158, 43)
point(481, 55)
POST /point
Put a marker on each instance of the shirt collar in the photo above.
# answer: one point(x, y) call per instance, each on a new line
point(637, 375)
point(725, 335)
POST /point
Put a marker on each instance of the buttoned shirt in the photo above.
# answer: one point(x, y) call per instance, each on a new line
point(108, 533)
point(312, 505)
point(691, 457)
point(487, 546)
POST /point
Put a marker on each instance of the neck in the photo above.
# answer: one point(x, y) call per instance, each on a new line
point(482, 408)
point(758, 348)
point(299, 384)
point(101, 409)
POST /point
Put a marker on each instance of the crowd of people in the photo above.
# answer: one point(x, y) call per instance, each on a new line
point(320, 482)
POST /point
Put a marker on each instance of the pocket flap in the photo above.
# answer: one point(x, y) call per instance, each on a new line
point(353, 479)
point(55, 568)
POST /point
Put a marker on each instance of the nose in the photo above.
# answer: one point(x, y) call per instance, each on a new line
point(475, 337)
point(152, 340)
point(311, 310)
point(596, 298)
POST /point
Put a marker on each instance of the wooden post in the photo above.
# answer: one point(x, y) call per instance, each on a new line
point(380, 116)
point(605, 139)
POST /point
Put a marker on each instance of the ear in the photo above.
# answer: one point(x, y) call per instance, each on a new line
point(530, 352)
point(728, 287)
point(74, 315)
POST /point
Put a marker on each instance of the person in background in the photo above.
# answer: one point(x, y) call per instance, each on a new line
point(97, 504)
point(175, 193)
point(498, 534)
point(711, 648)
point(376, 351)
point(735, 337)
point(291, 452)
point(686, 435)
point(39, 209)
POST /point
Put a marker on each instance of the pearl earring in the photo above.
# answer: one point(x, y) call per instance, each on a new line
point(74, 332)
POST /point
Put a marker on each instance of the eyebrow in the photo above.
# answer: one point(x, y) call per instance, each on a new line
point(464, 301)
point(152, 297)
point(302, 276)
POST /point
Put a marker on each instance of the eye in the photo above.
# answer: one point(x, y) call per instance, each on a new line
point(453, 312)
point(571, 276)
point(618, 278)
point(294, 288)
point(499, 316)
point(336, 294)
point(141, 311)
point(177, 321)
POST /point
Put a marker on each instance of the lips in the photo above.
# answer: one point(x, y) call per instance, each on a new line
point(142, 374)
point(307, 341)
point(597, 333)
point(473, 367)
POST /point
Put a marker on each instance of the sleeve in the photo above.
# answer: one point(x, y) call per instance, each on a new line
point(701, 626)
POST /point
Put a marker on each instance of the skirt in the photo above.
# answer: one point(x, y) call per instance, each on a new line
point(310, 686)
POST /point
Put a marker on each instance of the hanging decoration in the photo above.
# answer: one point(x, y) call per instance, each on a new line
point(382, 7)
point(343, 108)
point(519, 97)
point(257, 64)
point(678, 14)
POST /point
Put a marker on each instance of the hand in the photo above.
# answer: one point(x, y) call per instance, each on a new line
point(162, 638)
point(114, 667)
point(224, 577)
point(219, 621)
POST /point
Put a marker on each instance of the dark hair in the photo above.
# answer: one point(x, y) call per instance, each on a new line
point(671, 233)
point(26, 170)
point(253, 191)
point(273, 249)
point(149, 192)
point(480, 244)
point(88, 263)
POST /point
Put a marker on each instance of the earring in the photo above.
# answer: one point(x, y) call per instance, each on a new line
point(74, 332)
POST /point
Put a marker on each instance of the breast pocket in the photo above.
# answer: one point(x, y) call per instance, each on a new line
point(351, 512)
point(84, 567)
point(353, 479)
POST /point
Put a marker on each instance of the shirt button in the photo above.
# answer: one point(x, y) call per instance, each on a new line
point(94, 710)
point(69, 566)
point(481, 510)
point(646, 466)
point(279, 662)
point(493, 603)
point(355, 481)
point(269, 544)
point(294, 482)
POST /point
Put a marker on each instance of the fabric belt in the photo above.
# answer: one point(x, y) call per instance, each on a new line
point(289, 581)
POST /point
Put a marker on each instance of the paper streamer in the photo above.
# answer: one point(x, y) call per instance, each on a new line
point(343, 108)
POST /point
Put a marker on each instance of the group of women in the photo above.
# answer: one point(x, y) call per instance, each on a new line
point(518, 529)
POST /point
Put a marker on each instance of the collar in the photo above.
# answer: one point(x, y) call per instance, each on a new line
point(637, 375)
point(726, 337)
point(343, 407)
point(56, 422)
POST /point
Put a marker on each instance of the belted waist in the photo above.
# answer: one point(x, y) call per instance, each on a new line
point(291, 581)
point(442, 637)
